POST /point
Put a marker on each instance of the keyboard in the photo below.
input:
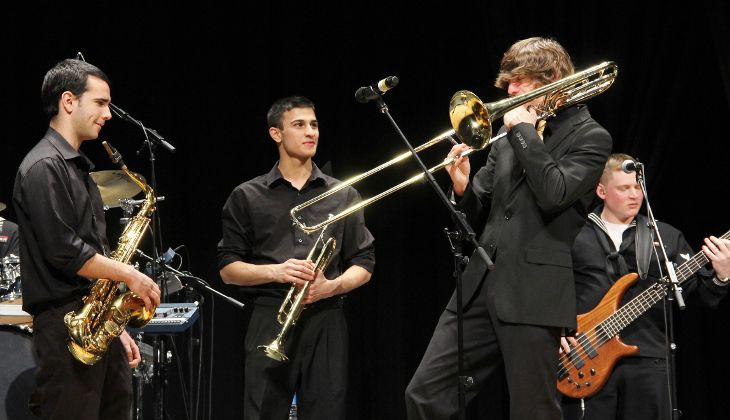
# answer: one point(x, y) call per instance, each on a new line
point(171, 318)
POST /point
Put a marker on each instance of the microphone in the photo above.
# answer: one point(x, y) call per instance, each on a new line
point(629, 166)
point(368, 93)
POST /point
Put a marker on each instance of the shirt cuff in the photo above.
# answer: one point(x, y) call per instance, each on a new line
point(722, 283)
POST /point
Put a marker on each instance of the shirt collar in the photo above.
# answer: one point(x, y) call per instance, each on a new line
point(595, 217)
point(274, 176)
point(66, 150)
point(565, 114)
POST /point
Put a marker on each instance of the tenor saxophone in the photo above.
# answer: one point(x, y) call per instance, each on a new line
point(106, 311)
point(293, 304)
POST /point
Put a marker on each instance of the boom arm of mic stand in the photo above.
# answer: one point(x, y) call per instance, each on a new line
point(198, 280)
point(152, 134)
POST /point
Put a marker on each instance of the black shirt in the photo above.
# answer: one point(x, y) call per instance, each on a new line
point(61, 221)
point(257, 228)
point(595, 274)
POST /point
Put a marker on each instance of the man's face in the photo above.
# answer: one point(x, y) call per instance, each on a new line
point(524, 84)
point(622, 196)
point(90, 110)
point(299, 134)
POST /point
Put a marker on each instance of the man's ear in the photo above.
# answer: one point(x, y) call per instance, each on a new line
point(66, 102)
point(275, 134)
point(601, 191)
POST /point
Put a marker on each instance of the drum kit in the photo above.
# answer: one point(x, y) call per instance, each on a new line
point(17, 364)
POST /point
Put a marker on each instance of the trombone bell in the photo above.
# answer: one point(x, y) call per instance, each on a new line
point(470, 119)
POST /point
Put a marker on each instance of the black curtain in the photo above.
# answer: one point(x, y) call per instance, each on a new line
point(204, 75)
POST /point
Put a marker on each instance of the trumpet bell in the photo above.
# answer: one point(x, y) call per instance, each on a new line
point(274, 352)
point(470, 119)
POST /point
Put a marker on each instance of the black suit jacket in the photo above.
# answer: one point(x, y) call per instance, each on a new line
point(536, 195)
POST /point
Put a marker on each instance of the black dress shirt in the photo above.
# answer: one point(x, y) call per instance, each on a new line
point(257, 228)
point(61, 221)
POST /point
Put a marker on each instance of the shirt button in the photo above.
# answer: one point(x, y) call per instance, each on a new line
point(300, 240)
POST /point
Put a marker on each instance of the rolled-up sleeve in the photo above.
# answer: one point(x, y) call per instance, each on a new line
point(236, 243)
point(358, 243)
point(50, 207)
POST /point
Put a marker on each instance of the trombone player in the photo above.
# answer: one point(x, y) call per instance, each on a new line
point(264, 251)
point(534, 189)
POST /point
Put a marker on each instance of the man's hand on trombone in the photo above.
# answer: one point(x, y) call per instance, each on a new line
point(459, 169)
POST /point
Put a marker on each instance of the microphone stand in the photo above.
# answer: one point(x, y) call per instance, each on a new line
point(463, 232)
point(197, 280)
point(676, 294)
point(152, 140)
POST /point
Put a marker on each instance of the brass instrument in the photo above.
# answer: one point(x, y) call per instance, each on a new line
point(106, 312)
point(293, 304)
point(471, 120)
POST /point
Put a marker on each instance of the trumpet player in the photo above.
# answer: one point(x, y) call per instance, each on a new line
point(262, 250)
point(534, 189)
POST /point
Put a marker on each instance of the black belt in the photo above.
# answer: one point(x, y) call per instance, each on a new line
point(55, 304)
point(329, 303)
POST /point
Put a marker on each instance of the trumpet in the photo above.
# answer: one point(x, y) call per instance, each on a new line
point(293, 305)
point(471, 120)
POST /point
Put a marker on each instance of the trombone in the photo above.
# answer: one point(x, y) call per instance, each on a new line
point(471, 120)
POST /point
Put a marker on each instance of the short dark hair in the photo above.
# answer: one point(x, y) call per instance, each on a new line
point(613, 163)
point(278, 108)
point(542, 59)
point(67, 75)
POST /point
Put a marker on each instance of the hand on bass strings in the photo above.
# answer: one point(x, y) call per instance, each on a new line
point(567, 344)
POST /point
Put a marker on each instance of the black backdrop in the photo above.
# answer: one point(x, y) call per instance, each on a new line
point(204, 75)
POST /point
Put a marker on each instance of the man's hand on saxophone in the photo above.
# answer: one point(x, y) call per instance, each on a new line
point(101, 267)
point(144, 287)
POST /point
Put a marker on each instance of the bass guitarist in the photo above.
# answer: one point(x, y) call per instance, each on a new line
point(614, 242)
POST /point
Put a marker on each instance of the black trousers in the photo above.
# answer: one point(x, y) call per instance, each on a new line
point(529, 354)
point(637, 389)
point(69, 389)
point(317, 347)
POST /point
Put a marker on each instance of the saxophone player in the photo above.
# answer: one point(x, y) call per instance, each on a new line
point(63, 244)
point(264, 251)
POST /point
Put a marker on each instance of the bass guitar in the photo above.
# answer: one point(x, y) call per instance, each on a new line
point(584, 371)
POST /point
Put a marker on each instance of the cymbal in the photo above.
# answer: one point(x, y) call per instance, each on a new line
point(115, 185)
point(2, 206)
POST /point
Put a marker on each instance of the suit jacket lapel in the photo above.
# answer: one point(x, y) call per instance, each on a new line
point(565, 129)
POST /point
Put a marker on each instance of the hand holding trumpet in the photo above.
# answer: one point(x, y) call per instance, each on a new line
point(294, 271)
